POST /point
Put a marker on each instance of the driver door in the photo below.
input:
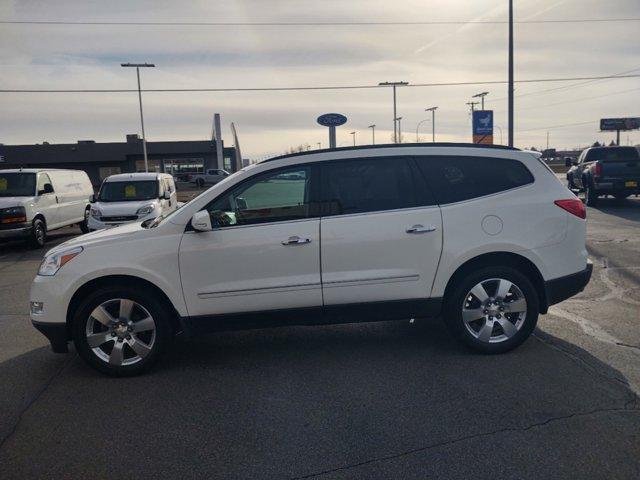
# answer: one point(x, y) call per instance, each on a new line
point(263, 253)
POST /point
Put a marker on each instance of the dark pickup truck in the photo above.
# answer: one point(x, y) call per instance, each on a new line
point(606, 171)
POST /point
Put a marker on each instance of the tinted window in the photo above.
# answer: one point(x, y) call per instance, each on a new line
point(272, 197)
point(453, 179)
point(17, 184)
point(128, 191)
point(369, 185)
point(612, 154)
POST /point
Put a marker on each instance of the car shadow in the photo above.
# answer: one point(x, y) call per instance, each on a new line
point(628, 209)
point(276, 403)
point(54, 238)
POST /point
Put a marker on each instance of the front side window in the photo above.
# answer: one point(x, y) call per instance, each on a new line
point(128, 191)
point(271, 197)
point(369, 185)
point(454, 179)
point(43, 179)
point(17, 184)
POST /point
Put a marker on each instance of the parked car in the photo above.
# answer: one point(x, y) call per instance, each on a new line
point(607, 171)
point(210, 177)
point(132, 197)
point(35, 201)
point(486, 236)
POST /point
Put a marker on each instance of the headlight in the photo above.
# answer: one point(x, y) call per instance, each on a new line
point(12, 215)
point(54, 262)
point(95, 212)
point(146, 210)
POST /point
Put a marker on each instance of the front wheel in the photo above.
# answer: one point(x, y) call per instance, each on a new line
point(200, 182)
point(121, 332)
point(38, 235)
point(492, 309)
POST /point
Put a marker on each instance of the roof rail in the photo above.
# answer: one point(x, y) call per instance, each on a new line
point(394, 145)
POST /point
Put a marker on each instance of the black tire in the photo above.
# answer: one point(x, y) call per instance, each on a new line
point(590, 195)
point(200, 182)
point(456, 298)
point(570, 184)
point(38, 235)
point(621, 196)
point(84, 225)
point(149, 300)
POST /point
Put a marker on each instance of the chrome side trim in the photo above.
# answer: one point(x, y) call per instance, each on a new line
point(256, 291)
point(370, 281)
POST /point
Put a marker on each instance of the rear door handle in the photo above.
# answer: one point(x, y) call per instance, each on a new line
point(295, 240)
point(421, 229)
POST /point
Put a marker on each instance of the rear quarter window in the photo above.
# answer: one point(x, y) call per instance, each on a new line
point(454, 179)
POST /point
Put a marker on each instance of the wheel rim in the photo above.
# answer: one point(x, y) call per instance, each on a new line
point(494, 310)
point(39, 234)
point(120, 332)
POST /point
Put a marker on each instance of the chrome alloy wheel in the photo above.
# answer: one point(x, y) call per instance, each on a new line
point(494, 310)
point(120, 332)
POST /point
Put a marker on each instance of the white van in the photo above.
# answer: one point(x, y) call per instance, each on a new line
point(34, 201)
point(129, 197)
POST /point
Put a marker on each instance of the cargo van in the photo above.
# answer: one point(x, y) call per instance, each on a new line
point(35, 201)
point(132, 197)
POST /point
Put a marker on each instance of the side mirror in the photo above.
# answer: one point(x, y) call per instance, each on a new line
point(241, 203)
point(47, 188)
point(92, 198)
point(167, 195)
point(201, 221)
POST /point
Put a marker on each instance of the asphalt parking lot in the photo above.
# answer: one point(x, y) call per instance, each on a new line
point(384, 400)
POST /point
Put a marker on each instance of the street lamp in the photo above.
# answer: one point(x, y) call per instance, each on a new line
point(481, 96)
point(500, 130)
point(399, 120)
point(394, 85)
point(144, 138)
point(373, 134)
point(354, 138)
point(433, 122)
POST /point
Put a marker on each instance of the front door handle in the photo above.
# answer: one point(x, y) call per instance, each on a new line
point(421, 229)
point(295, 240)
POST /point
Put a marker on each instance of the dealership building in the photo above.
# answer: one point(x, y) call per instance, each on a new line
point(100, 160)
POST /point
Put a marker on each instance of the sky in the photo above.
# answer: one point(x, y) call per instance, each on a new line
point(268, 123)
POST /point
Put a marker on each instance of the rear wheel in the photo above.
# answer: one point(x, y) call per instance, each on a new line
point(492, 309)
point(200, 182)
point(38, 235)
point(84, 225)
point(121, 332)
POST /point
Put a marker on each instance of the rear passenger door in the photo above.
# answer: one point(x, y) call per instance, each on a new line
point(381, 232)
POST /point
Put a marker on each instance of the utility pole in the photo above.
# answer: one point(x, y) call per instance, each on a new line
point(510, 87)
point(373, 134)
point(472, 105)
point(399, 120)
point(433, 122)
point(354, 138)
point(144, 138)
point(547, 140)
point(394, 85)
point(481, 96)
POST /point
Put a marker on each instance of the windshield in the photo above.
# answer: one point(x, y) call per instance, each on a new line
point(17, 184)
point(613, 154)
point(128, 191)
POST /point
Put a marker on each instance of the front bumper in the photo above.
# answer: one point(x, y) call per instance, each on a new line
point(15, 230)
point(96, 224)
point(56, 333)
point(560, 289)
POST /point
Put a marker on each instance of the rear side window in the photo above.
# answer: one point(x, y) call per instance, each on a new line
point(454, 179)
point(370, 185)
point(612, 154)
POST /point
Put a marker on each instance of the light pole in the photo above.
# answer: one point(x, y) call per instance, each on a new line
point(319, 145)
point(144, 138)
point(373, 133)
point(354, 138)
point(433, 122)
point(510, 87)
point(481, 96)
point(399, 138)
point(394, 85)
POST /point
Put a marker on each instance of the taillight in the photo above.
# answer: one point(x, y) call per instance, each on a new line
point(597, 169)
point(573, 206)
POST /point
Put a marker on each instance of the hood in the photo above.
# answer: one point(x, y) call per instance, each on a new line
point(101, 236)
point(110, 209)
point(6, 202)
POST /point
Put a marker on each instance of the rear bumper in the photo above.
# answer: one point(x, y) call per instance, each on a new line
point(560, 289)
point(617, 185)
point(56, 333)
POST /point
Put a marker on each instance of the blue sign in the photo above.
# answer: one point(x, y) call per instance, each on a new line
point(483, 122)
point(332, 120)
point(632, 123)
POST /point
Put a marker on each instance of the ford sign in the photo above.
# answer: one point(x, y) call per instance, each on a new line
point(332, 120)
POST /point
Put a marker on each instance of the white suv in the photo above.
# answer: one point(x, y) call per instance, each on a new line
point(486, 236)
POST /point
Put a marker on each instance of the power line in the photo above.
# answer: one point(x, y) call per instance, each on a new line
point(323, 87)
point(309, 24)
